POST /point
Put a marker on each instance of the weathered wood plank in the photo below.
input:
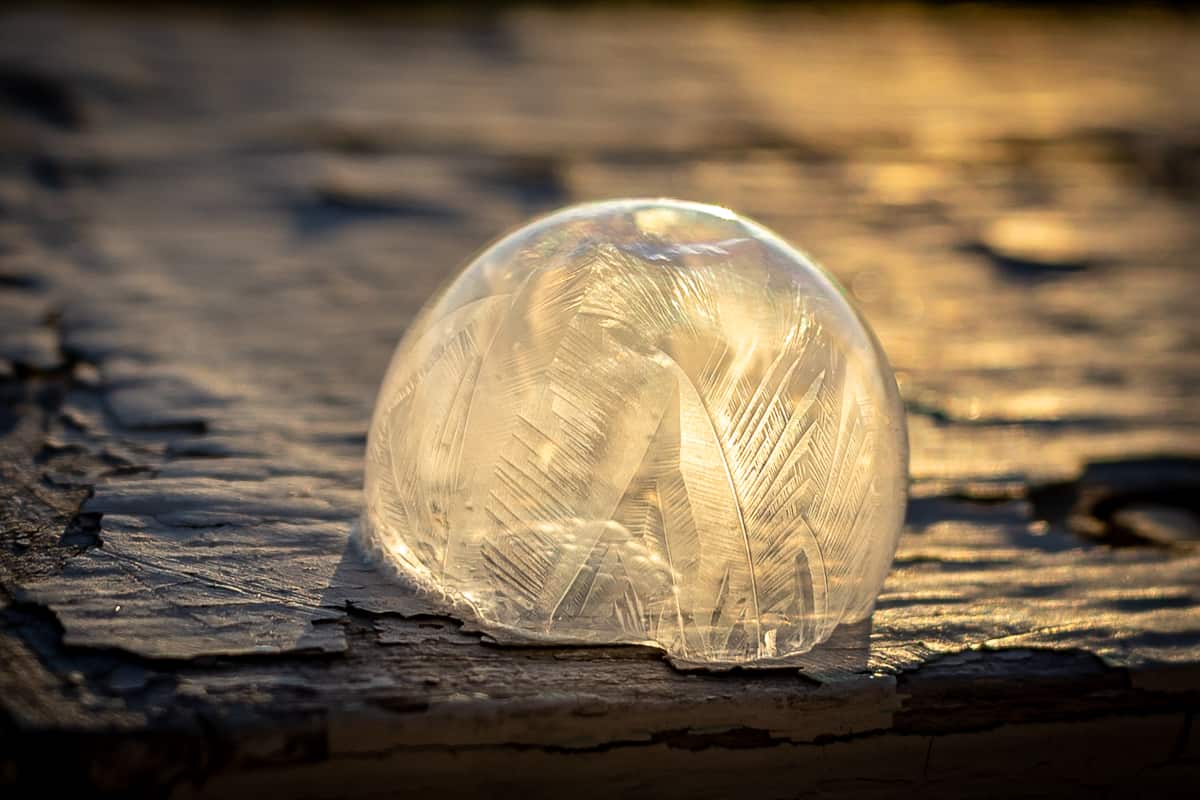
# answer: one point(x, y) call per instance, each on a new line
point(213, 232)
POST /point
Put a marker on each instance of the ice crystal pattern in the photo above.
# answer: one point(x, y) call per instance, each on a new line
point(642, 421)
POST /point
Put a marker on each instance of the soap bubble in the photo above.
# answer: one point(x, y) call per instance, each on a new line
point(642, 421)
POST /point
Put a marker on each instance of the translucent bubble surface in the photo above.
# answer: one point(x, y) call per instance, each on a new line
point(642, 421)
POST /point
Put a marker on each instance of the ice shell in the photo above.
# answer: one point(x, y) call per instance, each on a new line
point(643, 421)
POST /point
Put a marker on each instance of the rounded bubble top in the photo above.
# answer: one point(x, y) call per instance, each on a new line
point(642, 421)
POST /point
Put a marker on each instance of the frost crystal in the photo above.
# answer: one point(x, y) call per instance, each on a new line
point(642, 421)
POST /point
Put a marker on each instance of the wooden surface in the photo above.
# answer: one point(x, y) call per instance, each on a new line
point(214, 230)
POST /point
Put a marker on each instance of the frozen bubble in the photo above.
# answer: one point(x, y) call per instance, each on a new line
point(642, 421)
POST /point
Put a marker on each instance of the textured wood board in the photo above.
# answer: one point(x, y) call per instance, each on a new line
point(214, 231)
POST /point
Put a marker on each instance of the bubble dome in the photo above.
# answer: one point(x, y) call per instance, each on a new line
point(642, 421)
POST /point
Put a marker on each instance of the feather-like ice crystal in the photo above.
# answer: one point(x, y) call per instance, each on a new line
point(642, 421)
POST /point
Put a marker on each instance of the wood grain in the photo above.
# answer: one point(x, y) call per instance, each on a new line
point(214, 229)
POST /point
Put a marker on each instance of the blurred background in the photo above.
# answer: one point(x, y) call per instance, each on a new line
point(248, 206)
